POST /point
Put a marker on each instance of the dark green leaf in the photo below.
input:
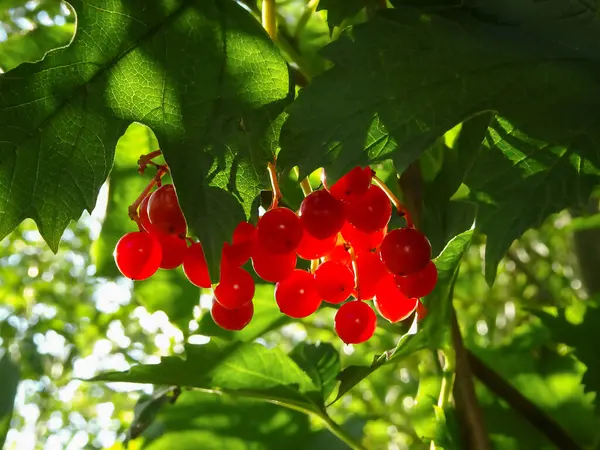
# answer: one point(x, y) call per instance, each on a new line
point(9, 374)
point(322, 364)
point(436, 326)
point(202, 74)
point(146, 410)
point(339, 10)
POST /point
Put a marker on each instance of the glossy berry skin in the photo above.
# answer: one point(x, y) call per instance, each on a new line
point(351, 186)
point(232, 319)
point(279, 231)
point(195, 267)
point(272, 267)
point(173, 250)
point(371, 211)
point(391, 302)
point(297, 295)
point(235, 289)
point(405, 251)
point(313, 248)
point(240, 250)
point(335, 281)
point(164, 211)
point(361, 241)
point(138, 255)
point(355, 322)
point(340, 253)
point(322, 215)
point(144, 219)
point(419, 284)
point(370, 271)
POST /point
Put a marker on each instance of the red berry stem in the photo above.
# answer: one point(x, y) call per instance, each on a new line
point(402, 211)
point(133, 208)
point(274, 185)
point(146, 160)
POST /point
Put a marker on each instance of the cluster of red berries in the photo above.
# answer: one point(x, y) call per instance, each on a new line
point(342, 229)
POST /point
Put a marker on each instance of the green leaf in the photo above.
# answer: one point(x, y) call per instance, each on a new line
point(244, 369)
point(436, 326)
point(339, 10)
point(146, 410)
point(431, 72)
point(10, 376)
point(202, 74)
point(321, 363)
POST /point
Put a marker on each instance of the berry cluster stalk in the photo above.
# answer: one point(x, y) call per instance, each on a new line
point(274, 185)
point(402, 211)
point(143, 162)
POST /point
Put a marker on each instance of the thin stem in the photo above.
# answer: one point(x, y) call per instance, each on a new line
point(309, 9)
point(133, 208)
point(402, 211)
point(355, 269)
point(340, 433)
point(144, 160)
point(304, 184)
point(269, 18)
point(274, 185)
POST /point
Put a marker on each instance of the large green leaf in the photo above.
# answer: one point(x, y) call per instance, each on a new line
point(202, 74)
point(321, 363)
point(431, 72)
point(436, 327)
point(10, 375)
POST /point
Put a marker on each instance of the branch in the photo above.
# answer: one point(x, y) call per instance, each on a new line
point(471, 417)
point(533, 414)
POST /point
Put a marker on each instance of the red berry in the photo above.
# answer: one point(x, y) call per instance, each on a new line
point(164, 211)
point(144, 220)
point(421, 311)
point(351, 186)
point(335, 281)
point(340, 253)
point(173, 250)
point(297, 295)
point(279, 231)
point(313, 248)
point(272, 267)
point(235, 289)
point(355, 322)
point(195, 267)
point(232, 319)
point(371, 211)
point(243, 233)
point(405, 251)
point(322, 215)
point(138, 255)
point(370, 271)
point(361, 241)
point(419, 284)
point(391, 302)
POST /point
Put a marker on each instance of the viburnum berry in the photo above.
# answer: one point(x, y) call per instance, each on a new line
point(235, 289)
point(371, 211)
point(391, 302)
point(322, 215)
point(370, 270)
point(355, 322)
point(351, 186)
point(164, 211)
point(144, 219)
point(272, 267)
point(335, 281)
point(313, 248)
point(239, 251)
point(173, 250)
point(279, 230)
point(232, 319)
point(340, 253)
point(297, 295)
point(421, 311)
point(361, 241)
point(138, 255)
point(405, 251)
point(419, 284)
point(195, 267)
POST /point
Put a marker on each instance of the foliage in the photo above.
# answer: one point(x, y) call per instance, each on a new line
point(491, 104)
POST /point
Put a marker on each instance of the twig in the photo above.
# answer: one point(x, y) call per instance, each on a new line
point(269, 18)
point(473, 427)
point(533, 414)
point(274, 186)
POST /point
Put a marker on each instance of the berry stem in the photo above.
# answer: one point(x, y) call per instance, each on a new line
point(145, 160)
point(269, 18)
point(274, 185)
point(354, 268)
point(402, 211)
point(314, 264)
point(133, 208)
point(304, 184)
